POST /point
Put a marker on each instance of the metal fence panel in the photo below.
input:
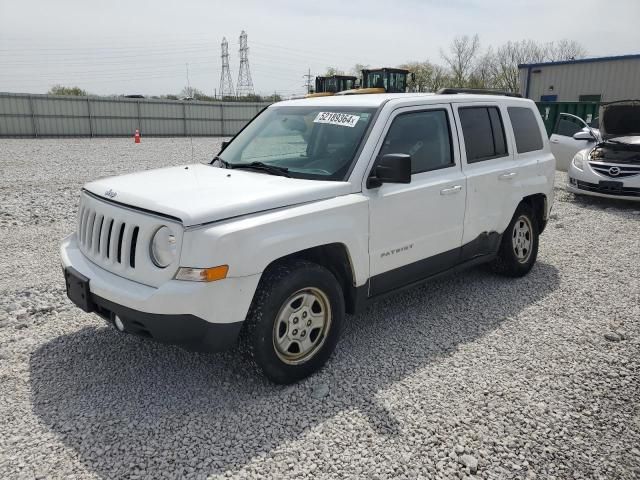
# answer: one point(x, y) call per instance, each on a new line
point(26, 115)
point(17, 126)
point(114, 126)
point(114, 108)
point(205, 128)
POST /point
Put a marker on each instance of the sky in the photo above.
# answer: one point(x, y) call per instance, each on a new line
point(131, 47)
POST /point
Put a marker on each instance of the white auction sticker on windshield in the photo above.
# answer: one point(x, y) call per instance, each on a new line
point(340, 119)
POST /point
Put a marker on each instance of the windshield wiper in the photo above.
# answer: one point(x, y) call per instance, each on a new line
point(264, 167)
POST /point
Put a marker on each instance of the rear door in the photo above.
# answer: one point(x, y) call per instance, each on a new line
point(563, 145)
point(491, 171)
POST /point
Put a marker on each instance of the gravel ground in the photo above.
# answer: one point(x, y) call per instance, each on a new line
point(472, 374)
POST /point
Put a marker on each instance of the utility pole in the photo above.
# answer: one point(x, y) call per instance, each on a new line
point(226, 85)
point(307, 83)
point(245, 84)
point(189, 92)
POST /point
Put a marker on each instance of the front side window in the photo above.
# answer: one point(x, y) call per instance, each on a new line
point(423, 135)
point(525, 129)
point(376, 80)
point(568, 126)
point(397, 82)
point(309, 142)
point(483, 133)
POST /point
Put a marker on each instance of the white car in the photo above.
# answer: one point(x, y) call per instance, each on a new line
point(316, 208)
point(611, 167)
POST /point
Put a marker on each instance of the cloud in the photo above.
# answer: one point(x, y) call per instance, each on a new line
point(144, 46)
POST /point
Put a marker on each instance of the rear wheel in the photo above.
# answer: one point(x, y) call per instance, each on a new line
point(294, 321)
point(519, 248)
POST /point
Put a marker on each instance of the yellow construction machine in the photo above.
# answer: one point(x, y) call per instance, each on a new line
point(326, 86)
point(381, 80)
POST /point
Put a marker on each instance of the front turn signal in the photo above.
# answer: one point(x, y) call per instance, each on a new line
point(202, 274)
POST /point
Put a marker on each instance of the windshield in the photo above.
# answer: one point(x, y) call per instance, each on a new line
point(310, 142)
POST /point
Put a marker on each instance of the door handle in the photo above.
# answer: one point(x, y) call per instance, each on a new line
point(508, 176)
point(451, 190)
point(555, 140)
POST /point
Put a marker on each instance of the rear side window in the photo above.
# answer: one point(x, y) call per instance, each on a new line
point(525, 129)
point(483, 133)
point(423, 135)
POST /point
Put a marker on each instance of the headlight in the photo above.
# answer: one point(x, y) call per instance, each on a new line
point(163, 247)
point(578, 161)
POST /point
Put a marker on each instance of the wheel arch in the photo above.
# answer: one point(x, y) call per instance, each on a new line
point(334, 257)
point(538, 203)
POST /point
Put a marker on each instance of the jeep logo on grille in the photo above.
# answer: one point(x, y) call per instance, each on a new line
point(614, 171)
point(110, 193)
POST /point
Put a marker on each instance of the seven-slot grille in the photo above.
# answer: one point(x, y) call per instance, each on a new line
point(107, 237)
point(615, 171)
point(117, 239)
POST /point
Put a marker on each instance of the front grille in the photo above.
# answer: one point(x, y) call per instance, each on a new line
point(107, 238)
point(594, 187)
point(117, 239)
point(619, 171)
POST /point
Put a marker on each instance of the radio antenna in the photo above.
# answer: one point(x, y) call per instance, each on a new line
point(190, 95)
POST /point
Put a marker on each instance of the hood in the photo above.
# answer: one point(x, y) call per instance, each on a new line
point(201, 193)
point(620, 119)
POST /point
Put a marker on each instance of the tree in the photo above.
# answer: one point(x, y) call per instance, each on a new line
point(511, 54)
point(196, 94)
point(461, 58)
point(440, 78)
point(427, 77)
point(466, 65)
point(484, 72)
point(331, 71)
point(188, 91)
point(507, 58)
point(419, 79)
point(356, 70)
point(564, 50)
point(62, 90)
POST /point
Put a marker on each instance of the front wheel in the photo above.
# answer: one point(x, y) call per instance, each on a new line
point(519, 248)
point(294, 321)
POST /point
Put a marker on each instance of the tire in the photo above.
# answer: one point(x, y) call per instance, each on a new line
point(519, 246)
point(294, 321)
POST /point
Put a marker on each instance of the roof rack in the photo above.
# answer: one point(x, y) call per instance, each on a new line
point(479, 91)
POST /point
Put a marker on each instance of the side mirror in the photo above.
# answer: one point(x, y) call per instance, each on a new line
point(582, 135)
point(390, 168)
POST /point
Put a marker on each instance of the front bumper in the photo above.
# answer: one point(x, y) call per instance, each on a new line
point(197, 315)
point(588, 182)
point(188, 331)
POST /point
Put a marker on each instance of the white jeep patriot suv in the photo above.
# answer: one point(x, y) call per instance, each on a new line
point(314, 209)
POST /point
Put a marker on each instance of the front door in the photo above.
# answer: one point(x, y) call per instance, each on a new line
point(563, 145)
point(416, 228)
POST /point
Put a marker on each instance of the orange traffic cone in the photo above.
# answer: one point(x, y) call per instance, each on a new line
point(137, 136)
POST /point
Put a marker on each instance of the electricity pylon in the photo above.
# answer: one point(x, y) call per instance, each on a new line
point(245, 84)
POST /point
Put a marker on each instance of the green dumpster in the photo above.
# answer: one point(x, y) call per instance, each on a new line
point(550, 111)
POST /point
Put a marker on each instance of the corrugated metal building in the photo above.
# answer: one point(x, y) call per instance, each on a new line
point(602, 79)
